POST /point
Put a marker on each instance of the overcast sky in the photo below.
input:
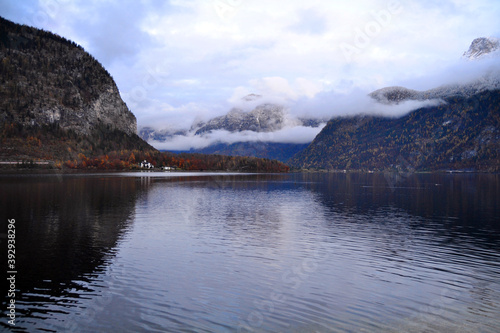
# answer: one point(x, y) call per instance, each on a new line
point(178, 60)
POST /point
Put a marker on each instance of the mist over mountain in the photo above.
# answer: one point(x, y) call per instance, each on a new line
point(261, 118)
point(487, 77)
point(266, 130)
point(461, 132)
point(258, 127)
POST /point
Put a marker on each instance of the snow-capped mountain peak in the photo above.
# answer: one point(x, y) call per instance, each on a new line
point(481, 47)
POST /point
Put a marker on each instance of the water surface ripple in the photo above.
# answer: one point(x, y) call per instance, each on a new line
point(201, 252)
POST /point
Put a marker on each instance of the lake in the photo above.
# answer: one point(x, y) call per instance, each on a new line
point(201, 252)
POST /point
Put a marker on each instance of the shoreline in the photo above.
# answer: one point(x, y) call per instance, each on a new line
point(47, 168)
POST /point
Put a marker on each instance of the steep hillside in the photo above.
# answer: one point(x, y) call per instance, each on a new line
point(56, 100)
point(464, 133)
point(47, 79)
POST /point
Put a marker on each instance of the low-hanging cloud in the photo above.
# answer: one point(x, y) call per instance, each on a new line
point(180, 62)
point(458, 71)
point(313, 103)
point(298, 134)
point(483, 73)
point(329, 104)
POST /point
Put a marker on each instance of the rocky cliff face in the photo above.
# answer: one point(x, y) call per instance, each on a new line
point(481, 47)
point(48, 80)
point(264, 118)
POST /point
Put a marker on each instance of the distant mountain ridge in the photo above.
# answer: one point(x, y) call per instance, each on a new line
point(261, 149)
point(395, 95)
point(264, 118)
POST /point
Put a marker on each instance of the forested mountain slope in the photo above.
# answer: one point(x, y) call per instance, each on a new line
point(464, 133)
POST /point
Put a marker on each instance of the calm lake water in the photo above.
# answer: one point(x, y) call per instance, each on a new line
point(159, 252)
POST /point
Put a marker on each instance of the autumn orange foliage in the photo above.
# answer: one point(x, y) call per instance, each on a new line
point(126, 159)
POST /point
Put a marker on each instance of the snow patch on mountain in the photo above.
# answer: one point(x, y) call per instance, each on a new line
point(482, 47)
point(259, 119)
